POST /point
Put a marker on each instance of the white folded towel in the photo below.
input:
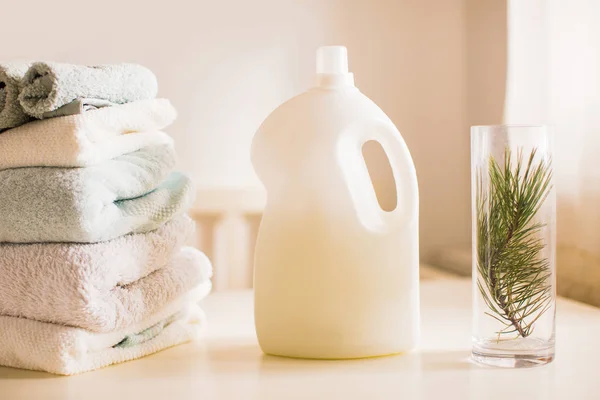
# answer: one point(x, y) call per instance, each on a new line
point(103, 286)
point(62, 350)
point(89, 138)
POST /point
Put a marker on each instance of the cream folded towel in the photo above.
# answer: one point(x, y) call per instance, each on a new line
point(62, 350)
point(104, 286)
point(88, 138)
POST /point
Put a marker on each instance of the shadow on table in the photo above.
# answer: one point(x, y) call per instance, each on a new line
point(446, 360)
point(7, 373)
point(413, 361)
point(248, 359)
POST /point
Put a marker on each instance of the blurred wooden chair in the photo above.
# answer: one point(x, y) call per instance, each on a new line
point(227, 225)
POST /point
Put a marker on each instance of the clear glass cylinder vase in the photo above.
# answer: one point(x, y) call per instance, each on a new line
point(514, 230)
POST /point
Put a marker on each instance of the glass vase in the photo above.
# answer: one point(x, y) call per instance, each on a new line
point(514, 262)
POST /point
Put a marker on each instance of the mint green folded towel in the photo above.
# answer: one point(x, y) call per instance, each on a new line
point(135, 339)
point(48, 86)
point(133, 193)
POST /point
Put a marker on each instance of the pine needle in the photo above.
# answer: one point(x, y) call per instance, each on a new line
point(514, 278)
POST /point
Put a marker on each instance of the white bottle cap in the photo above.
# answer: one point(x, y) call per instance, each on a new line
point(332, 60)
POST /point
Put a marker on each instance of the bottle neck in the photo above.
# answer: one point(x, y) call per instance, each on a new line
point(335, 80)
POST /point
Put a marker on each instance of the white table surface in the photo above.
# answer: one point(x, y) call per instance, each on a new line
point(228, 364)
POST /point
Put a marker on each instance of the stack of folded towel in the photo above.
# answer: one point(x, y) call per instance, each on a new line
point(93, 264)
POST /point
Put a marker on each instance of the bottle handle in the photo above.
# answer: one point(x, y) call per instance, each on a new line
point(356, 174)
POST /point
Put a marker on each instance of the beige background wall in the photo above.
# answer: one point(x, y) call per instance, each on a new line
point(486, 61)
point(226, 64)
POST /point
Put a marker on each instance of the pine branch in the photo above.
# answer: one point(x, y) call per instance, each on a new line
point(513, 275)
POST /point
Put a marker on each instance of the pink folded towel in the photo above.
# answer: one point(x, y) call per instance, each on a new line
point(103, 286)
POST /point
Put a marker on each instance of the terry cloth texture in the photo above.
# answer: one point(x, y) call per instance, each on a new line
point(11, 112)
point(128, 194)
point(48, 86)
point(83, 288)
point(62, 350)
point(89, 138)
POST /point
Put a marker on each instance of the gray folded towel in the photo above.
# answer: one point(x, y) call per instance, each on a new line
point(46, 87)
point(11, 112)
point(133, 193)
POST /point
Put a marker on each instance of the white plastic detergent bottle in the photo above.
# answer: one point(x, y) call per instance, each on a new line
point(335, 276)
